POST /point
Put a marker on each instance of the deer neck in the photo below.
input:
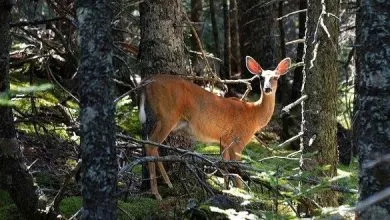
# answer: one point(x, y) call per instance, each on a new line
point(265, 108)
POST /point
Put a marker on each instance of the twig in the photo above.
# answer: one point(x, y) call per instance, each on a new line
point(373, 163)
point(292, 13)
point(332, 187)
point(288, 107)
point(290, 140)
point(75, 215)
point(200, 46)
point(377, 197)
point(59, 84)
point(37, 22)
point(205, 186)
point(60, 194)
point(297, 41)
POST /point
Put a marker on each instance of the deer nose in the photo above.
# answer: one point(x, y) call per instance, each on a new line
point(268, 90)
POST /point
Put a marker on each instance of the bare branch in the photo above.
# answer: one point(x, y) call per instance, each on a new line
point(292, 13)
point(288, 107)
point(290, 140)
point(377, 197)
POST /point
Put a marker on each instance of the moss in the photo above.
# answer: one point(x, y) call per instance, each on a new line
point(5, 198)
point(70, 205)
point(10, 212)
point(207, 149)
point(137, 208)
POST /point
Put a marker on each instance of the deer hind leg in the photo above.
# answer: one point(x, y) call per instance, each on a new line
point(159, 134)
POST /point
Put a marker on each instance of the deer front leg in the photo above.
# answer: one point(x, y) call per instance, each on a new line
point(225, 157)
point(235, 154)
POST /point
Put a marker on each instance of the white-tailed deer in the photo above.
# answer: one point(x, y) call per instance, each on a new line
point(169, 103)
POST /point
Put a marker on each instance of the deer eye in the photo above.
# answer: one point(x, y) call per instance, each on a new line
point(275, 78)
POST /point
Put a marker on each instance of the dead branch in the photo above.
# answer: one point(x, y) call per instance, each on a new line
point(292, 13)
point(288, 107)
point(377, 197)
point(297, 41)
point(290, 140)
point(57, 199)
point(37, 22)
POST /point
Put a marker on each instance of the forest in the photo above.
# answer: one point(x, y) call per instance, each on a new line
point(194, 109)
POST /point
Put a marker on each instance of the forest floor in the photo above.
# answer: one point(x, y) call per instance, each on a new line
point(51, 158)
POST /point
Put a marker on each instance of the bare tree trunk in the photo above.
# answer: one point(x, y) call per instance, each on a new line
point(282, 95)
point(97, 133)
point(196, 14)
point(291, 123)
point(227, 44)
point(371, 128)
point(14, 175)
point(235, 40)
point(319, 111)
point(215, 28)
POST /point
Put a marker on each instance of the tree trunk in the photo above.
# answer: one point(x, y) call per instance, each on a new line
point(283, 87)
point(371, 128)
point(97, 133)
point(235, 40)
point(291, 122)
point(162, 41)
point(14, 175)
point(259, 32)
point(162, 51)
point(319, 123)
point(196, 15)
point(215, 28)
point(226, 43)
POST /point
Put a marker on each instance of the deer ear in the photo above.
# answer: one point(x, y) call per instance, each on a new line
point(253, 66)
point(283, 66)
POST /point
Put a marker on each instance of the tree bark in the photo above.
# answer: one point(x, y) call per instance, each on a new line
point(14, 175)
point(97, 133)
point(196, 15)
point(319, 123)
point(292, 121)
point(259, 32)
point(162, 41)
point(371, 128)
point(226, 43)
point(215, 28)
point(235, 39)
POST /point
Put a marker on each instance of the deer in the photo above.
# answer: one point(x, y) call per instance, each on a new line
point(169, 103)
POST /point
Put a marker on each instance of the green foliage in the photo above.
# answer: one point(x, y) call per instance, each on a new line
point(8, 209)
point(10, 212)
point(137, 208)
point(47, 180)
point(5, 97)
point(70, 205)
point(5, 198)
point(127, 116)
